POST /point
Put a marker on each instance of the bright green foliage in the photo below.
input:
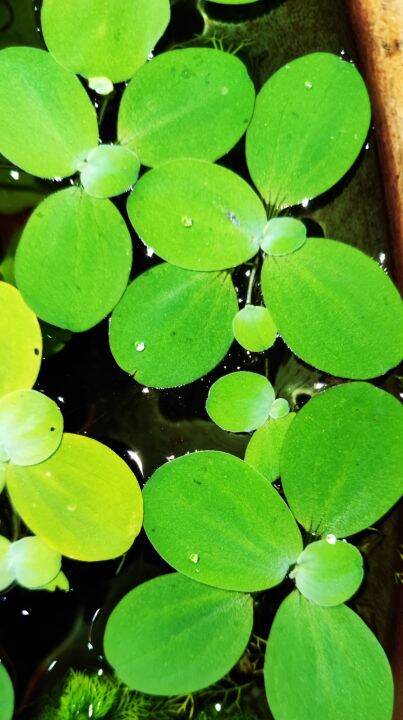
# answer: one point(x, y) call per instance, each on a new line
point(197, 215)
point(73, 260)
point(21, 342)
point(7, 575)
point(283, 235)
point(60, 582)
point(31, 427)
point(173, 325)
point(309, 125)
point(264, 448)
point(103, 38)
point(329, 571)
point(47, 122)
point(240, 401)
point(173, 636)
point(335, 308)
point(279, 409)
point(195, 102)
point(342, 459)
point(109, 170)
point(84, 501)
point(254, 328)
point(217, 520)
point(33, 562)
point(6, 695)
point(327, 662)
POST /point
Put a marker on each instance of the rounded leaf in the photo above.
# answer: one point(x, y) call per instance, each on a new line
point(335, 308)
point(240, 401)
point(21, 342)
point(47, 122)
point(103, 38)
point(109, 170)
point(34, 563)
point(336, 667)
point(197, 215)
point(310, 122)
point(6, 694)
point(84, 501)
point(342, 459)
point(218, 521)
point(254, 328)
point(65, 256)
point(283, 235)
point(329, 571)
point(279, 409)
point(194, 102)
point(31, 427)
point(172, 326)
point(264, 447)
point(7, 575)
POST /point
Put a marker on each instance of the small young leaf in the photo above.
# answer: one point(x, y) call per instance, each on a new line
point(218, 521)
point(191, 635)
point(264, 448)
point(336, 667)
point(194, 102)
point(31, 427)
point(240, 401)
point(47, 122)
point(109, 170)
point(342, 459)
point(73, 260)
point(279, 409)
point(197, 215)
point(34, 563)
point(335, 308)
point(6, 694)
point(60, 582)
point(21, 342)
point(283, 235)
point(329, 571)
point(309, 125)
point(254, 328)
point(7, 575)
point(172, 326)
point(83, 501)
point(110, 38)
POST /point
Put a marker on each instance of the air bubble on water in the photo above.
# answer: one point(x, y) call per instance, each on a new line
point(305, 202)
point(331, 539)
point(14, 174)
point(140, 346)
point(101, 85)
point(150, 251)
point(194, 558)
point(308, 84)
point(145, 390)
point(187, 221)
point(217, 707)
point(150, 55)
point(367, 146)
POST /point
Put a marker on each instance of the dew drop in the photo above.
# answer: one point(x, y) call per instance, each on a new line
point(140, 346)
point(187, 221)
point(101, 85)
point(194, 558)
point(308, 84)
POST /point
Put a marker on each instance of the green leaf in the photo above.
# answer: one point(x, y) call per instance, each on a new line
point(172, 326)
point(337, 669)
point(191, 635)
point(283, 235)
point(109, 170)
point(47, 122)
point(235, 2)
point(103, 38)
point(6, 694)
point(34, 563)
point(254, 328)
point(264, 447)
point(342, 459)
point(335, 308)
point(218, 521)
point(65, 256)
point(21, 342)
point(83, 501)
point(197, 215)
point(279, 409)
point(31, 427)
point(329, 571)
point(7, 575)
point(194, 102)
point(310, 122)
point(60, 582)
point(240, 401)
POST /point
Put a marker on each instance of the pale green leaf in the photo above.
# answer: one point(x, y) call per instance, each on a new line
point(335, 308)
point(310, 122)
point(283, 235)
point(60, 582)
point(325, 661)
point(264, 448)
point(110, 38)
point(172, 326)
point(6, 694)
point(254, 328)
point(279, 409)
point(240, 401)
point(84, 501)
point(109, 170)
point(73, 260)
point(194, 102)
point(34, 563)
point(7, 575)
point(218, 521)
point(47, 122)
point(342, 459)
point(197, 215)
